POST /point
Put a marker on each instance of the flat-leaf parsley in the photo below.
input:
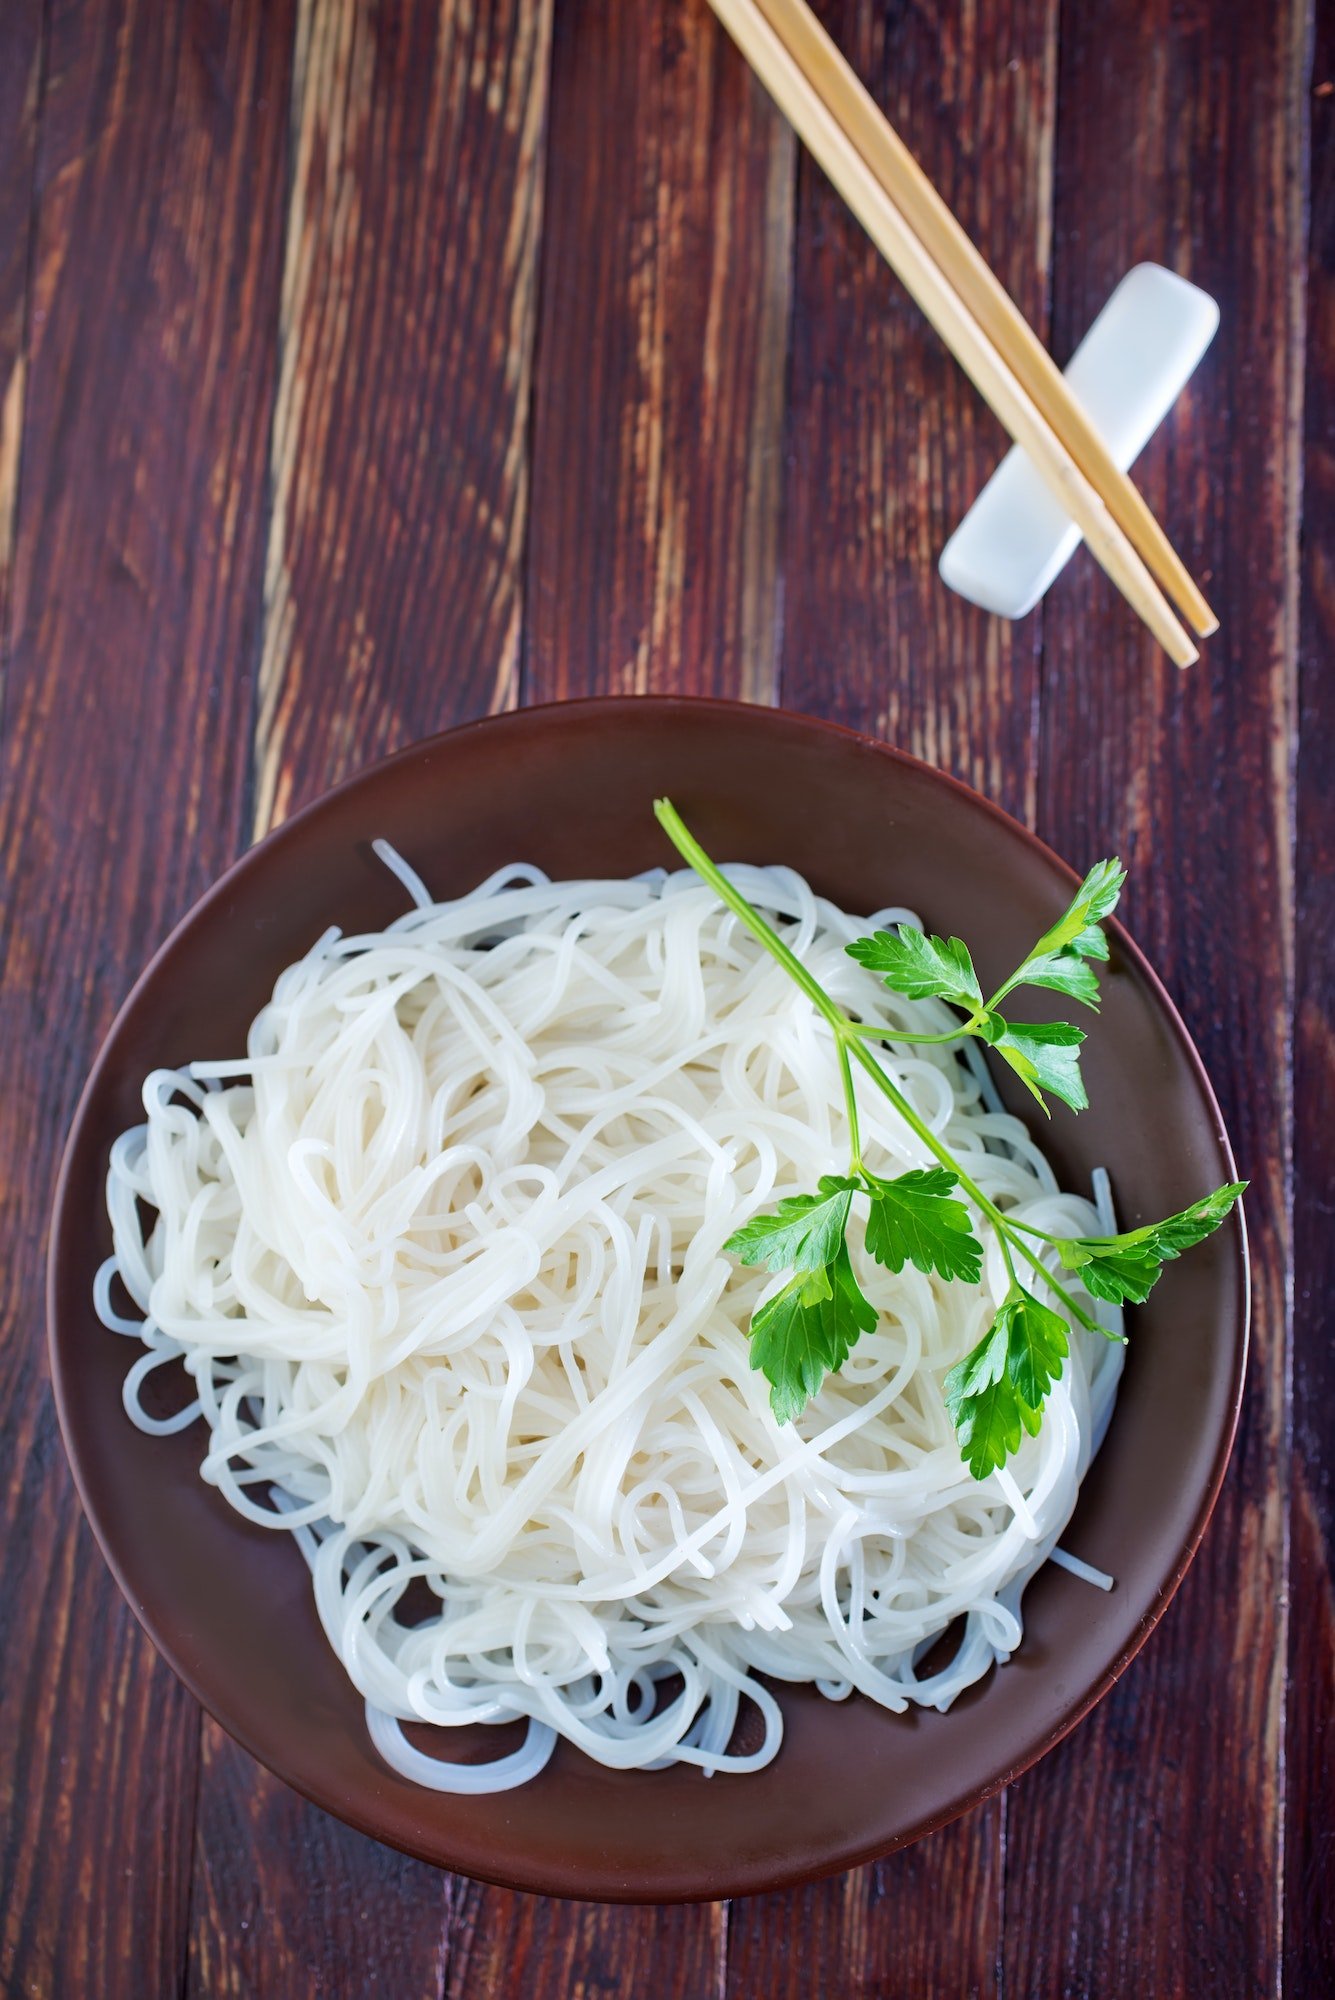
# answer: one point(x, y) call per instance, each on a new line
point(809, 1327)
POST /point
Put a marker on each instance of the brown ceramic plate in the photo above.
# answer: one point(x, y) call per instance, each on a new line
point(229, 1605)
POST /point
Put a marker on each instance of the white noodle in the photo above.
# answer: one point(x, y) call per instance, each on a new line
point(1085, 1571)
point(443, 1259)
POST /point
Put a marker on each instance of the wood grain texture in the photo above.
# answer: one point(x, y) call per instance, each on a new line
point(658, 425)
point(20, 87)
point(1309, 1844)
point(888, 443)
point(135, 604)
point(399, 460)
point(882, 1930)
point(547, 1950)
point(365, 337)
point(392, 608)
point(1142, 1856)
point(289, 1902)
point(656, 483)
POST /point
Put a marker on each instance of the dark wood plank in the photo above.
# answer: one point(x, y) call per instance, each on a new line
point(1309, 1842)
point(1143, 1856)
point(546, 1950)
point(135, 603)
point(888, 442)
point(392, 607)
point(287, 1901)
point(396, 347)
point(20, 82)
point(657, 476)
point(399, 469)
point(887, 445)
point(927, 1921)
point(658, 468)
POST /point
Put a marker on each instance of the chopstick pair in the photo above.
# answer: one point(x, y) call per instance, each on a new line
point(920, 239)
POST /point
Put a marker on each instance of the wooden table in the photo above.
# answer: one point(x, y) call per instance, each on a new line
point(340, 340)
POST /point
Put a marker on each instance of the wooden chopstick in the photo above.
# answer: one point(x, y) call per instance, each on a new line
point(983, 293)
point(821, 130)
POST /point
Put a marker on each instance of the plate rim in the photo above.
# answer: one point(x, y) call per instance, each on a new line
point(362, 1817)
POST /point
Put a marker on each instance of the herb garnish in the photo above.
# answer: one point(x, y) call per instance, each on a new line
point(808, 1328)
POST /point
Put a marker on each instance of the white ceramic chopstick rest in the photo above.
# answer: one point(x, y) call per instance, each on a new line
point(1128, 371)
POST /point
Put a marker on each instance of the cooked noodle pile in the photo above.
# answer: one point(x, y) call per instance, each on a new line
point(443, 1257)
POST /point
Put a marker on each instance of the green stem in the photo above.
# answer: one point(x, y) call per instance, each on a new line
point(1090, 1324)
point(691, 851)
point(924, 1131)
point(848, 1043)
point(1001, 993)
point(1003, 1227)
point(872, 1032)
point(1086, 1320)
point(851, 1106)
point(1000, 1222)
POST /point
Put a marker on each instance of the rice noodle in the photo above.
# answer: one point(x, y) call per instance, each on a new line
point(442, 1257)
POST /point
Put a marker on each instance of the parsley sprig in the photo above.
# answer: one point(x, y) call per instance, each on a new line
point(808, 1328)
point(1045, 1055)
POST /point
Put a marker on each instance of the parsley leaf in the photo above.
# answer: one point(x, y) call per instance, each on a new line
point(1124, 1269)
point(803, 1233)
point(913, 1220)
point(1003, 1382)
point(1060, 958)
point(1036, 1346)
point(805, 1332)
point(1067, 971)
point(919, 966)
point(1043, 1054)
point(1122, 1277)
point(1190, 1226)
point(981, 1400)
point(1095, 899)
